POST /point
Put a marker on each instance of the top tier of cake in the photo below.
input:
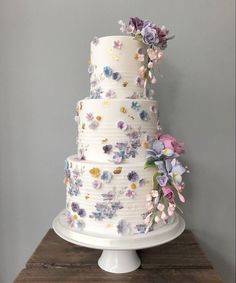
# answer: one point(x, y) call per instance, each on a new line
point(114, 67)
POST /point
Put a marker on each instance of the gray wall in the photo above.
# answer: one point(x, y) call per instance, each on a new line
point(44, 49)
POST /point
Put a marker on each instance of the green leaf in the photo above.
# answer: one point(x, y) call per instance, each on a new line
point(154, 181)
point(149, 163)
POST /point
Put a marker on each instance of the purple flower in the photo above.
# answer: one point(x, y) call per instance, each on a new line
point(93, 125)
point(117, 158)
point(130, 193)
point(149, 33)
point(97, 184)
point(78, 183)
point(107, 148)
point(106, 176)
point(141, 228)
point(74, 206)
point(132, 176)
point(107, 71)
point(109, 196)
point(116, 76)
point(89, 116)
point(144, 115)
point(122, 227)
point(136, 23)
point(110, 94)
point(81, 212)
point(162, 180)
point(122, 125)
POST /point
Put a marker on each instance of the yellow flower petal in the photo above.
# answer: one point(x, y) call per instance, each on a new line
point(98, 118)
point(125, 83)
point(95, 172)
point(132, 186)
point(123, 110)
point(117, 170)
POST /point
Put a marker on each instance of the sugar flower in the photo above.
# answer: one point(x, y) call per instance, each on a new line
point(117, 44)
point(144, 115)
point(106, 176)
point(96, 184)
point(110, 94)
point(122, 125)
point(132, 176)
point(168, 193)
point(116, 76)
point(122, 227)
point(107, 148)
point(107, 71)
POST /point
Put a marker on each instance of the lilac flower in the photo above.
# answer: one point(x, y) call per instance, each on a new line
point(117, 157)
point(110, 94)
point(156, 150)
point(136, 23)
point(89, 116)
point(107, 148)
point(162, 180)
point(105, 210)
point(96, 93)
point(108, 196)
point(81, 212)
point(80, 225)
point(122, 227)
point(97, 184)
point(130, 193)
point(93, 125)
point(116, 76)
point(141, 228)
point(149, 33)
point(122, 125)
point(107, 71)
point(135, 105)
point(132, 176)
point(74, 206)
point(141, 182)
point(144, 115)
point(78, 183)
point(73, 191)
point(106, 176)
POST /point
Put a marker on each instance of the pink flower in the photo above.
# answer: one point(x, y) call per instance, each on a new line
point(168, 193)
point(178, 147)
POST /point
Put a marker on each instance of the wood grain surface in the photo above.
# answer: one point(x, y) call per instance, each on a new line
point(56, 260)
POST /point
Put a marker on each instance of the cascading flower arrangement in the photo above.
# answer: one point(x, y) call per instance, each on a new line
point(167, 181)
point(155, 38)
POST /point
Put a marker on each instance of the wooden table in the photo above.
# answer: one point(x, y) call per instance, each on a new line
point(56, 260)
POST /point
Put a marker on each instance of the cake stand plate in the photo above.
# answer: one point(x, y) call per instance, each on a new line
point(119, 253)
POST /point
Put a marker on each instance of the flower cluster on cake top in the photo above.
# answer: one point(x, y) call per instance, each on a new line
point(155, 38)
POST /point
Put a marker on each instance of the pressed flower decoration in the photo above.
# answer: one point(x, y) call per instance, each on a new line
point(167, 181)
point(155, 38)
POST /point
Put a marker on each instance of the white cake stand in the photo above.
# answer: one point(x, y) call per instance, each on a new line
point(119, 253)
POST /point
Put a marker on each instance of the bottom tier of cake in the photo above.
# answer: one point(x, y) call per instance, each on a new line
point(106, 198)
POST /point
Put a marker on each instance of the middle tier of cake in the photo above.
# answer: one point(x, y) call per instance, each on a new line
point(115, 130)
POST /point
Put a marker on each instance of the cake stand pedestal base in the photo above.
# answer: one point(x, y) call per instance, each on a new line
point(116, 261)
point(119, 253)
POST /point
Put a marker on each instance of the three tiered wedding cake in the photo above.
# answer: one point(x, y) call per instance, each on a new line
point(125, 175)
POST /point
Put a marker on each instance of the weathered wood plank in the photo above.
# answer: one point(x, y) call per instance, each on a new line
point(182, 252)
point(95, 275)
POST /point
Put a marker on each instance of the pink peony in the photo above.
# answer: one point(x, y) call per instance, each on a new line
point(168, 193)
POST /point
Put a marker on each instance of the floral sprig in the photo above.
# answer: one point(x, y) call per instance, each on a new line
point(155, 38)
point(167, 180)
